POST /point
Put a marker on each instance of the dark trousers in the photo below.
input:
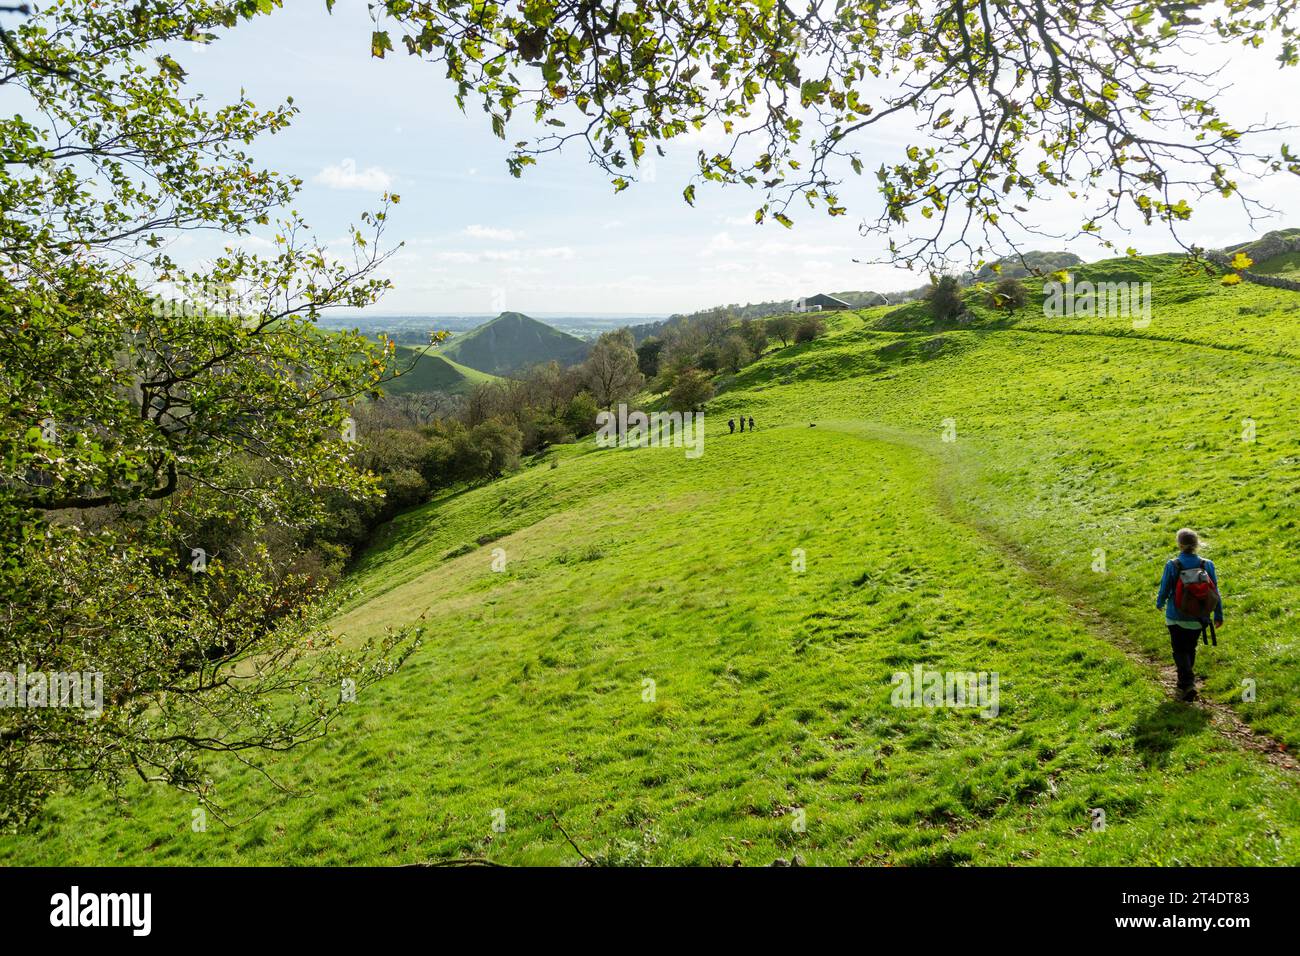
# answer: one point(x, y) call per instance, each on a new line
point(1184, 644)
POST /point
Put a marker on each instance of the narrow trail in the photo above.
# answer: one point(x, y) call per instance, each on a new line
point(1154, 339)
point(1098, 334)
point(1221, 717)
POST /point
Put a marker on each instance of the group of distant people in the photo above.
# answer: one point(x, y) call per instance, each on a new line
point(731, 423)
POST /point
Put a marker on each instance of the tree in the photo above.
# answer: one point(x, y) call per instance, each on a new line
point(144, 407)
point(548, 387)
point(735, 354)
point(691, 390)
point(611, 370)
point(683, 343)
point(944, 298)
point(647, 356)
point(1016, 101)
point(485, 400)
point(714, 326)
point(783, 327)
point(421, 408)
point(754, 332)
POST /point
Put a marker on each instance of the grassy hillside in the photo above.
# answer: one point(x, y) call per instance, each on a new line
point(513, 341)
point(431, 372)
point(771, 688)
point(1287, 264)
point(1274, 253)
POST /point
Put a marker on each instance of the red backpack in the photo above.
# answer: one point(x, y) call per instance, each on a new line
point(1196, 597)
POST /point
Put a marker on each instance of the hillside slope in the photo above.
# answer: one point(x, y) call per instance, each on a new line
point(427, 371)
point(652, 670)
point(513, 341)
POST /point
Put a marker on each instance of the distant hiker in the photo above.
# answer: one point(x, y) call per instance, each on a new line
point(731, 423)
point(1189, 596)
point(742, 423)
point(751, 423)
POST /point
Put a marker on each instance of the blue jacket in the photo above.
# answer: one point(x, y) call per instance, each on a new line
point(1165, 599)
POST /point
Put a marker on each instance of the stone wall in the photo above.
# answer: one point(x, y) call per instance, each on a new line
point(1259, 278)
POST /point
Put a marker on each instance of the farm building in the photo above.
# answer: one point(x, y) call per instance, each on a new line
point(821, 302)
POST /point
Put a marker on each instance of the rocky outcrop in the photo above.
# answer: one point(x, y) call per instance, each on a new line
point(1268, 246)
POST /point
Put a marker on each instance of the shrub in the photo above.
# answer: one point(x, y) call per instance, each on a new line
point(553, 432)
point(403, 488)
point(810, 327)
point(944, 297)
point(691, 390)
point(387, 449)
point(1009, 293)
point(501, 441)
point(580, 415)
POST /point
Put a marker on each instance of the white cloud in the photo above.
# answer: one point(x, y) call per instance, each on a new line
point(721, 242)
point(346, 176)
point(781, 249)
point(720, 267)
point(553, 252)
point(488, 232)
point(461, 257)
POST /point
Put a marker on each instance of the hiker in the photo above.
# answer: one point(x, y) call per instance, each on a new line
point(751, 423)
point(742, 423)
point(731, 423)
point(1189, 596)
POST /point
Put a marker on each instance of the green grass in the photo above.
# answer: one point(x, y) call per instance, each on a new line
point(771, 687)
point(430, 372)
point(1287, 264)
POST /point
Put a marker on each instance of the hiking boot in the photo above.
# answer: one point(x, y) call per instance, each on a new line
point(1187, 694)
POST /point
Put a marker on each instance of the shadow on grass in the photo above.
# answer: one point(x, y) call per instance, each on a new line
point(1157, 733)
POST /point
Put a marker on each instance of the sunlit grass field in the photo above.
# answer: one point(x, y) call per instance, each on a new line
point(653, 670)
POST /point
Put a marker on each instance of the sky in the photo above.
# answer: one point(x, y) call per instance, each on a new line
point(558, 240)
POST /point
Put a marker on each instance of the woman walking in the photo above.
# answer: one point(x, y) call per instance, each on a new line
point(1189, 595)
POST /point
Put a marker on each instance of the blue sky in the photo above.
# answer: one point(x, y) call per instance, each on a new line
point(559, 239)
